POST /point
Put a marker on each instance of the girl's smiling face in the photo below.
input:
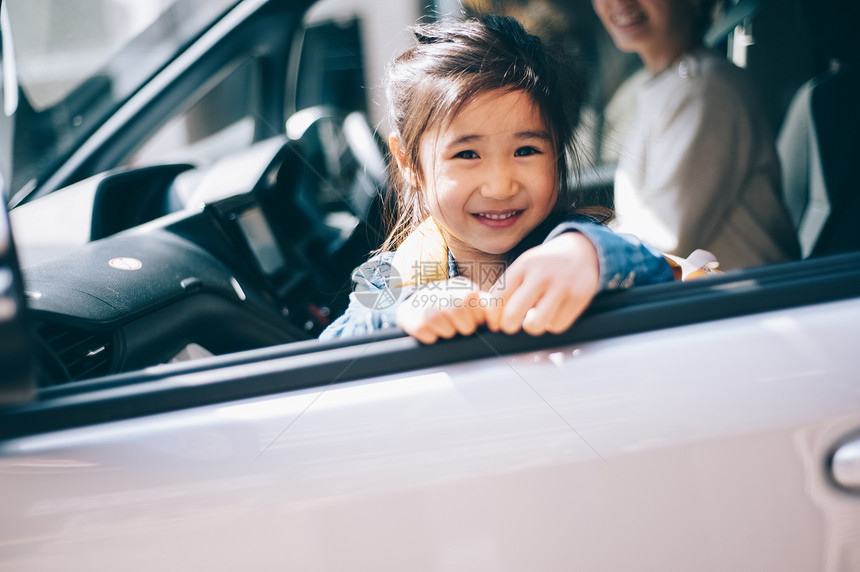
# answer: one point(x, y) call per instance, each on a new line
point(490, 175)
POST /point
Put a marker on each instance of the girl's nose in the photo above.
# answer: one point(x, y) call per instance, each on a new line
point(500, 182)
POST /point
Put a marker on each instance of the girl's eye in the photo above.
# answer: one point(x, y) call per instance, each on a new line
point(526, 151)
point(466, 155)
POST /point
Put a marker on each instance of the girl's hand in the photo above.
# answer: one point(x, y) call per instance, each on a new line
point(546, 288)
point(441, 310)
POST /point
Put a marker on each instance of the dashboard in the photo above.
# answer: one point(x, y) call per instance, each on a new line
point(172, 262)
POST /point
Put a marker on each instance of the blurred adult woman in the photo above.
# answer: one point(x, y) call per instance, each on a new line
point(699, 167)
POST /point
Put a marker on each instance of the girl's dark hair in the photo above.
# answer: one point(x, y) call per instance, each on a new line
point(456, 60)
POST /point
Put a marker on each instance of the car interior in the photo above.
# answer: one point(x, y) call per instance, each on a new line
point(223, 277)
point(816, 139)
point(181, 259)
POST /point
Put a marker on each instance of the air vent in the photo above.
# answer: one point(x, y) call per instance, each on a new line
point(82, 353)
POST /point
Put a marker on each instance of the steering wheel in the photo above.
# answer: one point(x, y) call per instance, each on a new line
point(339, 174)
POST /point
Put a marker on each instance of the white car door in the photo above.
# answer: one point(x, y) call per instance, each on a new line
point(702, 446)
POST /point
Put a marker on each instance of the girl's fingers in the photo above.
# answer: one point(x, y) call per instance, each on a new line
point(552, 311)
point(534, 324)
point(463, 311)
point(440, 323)
point(444, 311)
point(429, 330)
point(531, 296)
point(518, 304)
point(572, 309)
point(443, 324)
point(548, 287)
point(424, 335)
point(555, 312)
point(463, 320)
point(490, 308)
point(497, 298)
point(419, 322)
point(476, 309)
point(565, 314)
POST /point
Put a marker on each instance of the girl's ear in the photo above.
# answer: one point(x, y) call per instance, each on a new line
point(400, 156)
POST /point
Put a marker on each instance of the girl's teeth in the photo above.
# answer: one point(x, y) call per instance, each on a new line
point(497, 216)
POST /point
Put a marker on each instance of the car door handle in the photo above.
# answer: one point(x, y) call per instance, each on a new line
point(845, 465)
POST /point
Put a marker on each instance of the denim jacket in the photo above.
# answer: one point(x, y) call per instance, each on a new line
point(624, 261)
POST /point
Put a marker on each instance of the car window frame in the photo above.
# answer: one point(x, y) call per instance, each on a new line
point(311, 363)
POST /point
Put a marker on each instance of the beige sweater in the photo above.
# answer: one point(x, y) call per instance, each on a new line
point(699, 168)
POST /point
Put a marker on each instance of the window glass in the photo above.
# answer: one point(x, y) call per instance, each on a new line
point(76, 61)
point(331, 70)
point(218, 120)
point(59, 44)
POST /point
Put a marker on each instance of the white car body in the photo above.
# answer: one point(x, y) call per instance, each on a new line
point(702, 447)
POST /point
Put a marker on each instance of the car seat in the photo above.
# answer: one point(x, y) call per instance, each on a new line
point(818, 141)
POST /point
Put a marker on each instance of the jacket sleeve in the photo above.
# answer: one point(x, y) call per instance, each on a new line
point(624, 260)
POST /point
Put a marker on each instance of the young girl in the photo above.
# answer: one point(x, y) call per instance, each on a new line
point(489, 232)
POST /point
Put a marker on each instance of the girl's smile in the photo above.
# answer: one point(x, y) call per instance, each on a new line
point(498, 219)
point(490, 175)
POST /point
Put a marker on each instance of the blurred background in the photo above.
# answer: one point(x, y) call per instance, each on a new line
point(75, 62)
